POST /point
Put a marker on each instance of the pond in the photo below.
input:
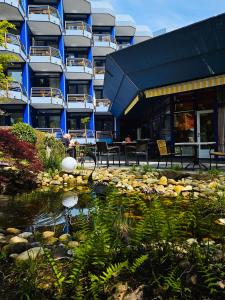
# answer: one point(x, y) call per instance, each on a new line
point(41, 208)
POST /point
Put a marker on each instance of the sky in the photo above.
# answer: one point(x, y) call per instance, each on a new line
point(170, 14)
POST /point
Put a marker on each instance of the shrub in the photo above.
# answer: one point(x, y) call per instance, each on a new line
point(24, 132)
point(17, 152)
point(51, 152)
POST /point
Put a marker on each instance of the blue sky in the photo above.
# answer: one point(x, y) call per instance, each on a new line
point(171, 14)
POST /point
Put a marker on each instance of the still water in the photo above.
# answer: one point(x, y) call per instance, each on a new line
point(41, 208)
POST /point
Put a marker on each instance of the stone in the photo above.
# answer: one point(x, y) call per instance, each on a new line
point(163, 181)
point(15, 248)
point(30, 254)
point(12, 230)
point(64, 238)
point(48, 234)
point(220, 222)
point(13, 255)
point(191, 241)
point(73, 244)
point(178, 189)
point(51, 241)
point(17, 239)
point(25, 235)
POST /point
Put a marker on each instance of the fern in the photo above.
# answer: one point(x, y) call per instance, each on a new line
point(138, 262)
point(173, 282)
point(100, 283)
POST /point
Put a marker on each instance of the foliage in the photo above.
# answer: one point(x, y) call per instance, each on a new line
point(51, 152)
point(5, 59)
point(16, 151)
point(143, 243)
point(24, 132)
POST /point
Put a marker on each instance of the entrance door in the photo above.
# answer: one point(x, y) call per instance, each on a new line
point(205, 131)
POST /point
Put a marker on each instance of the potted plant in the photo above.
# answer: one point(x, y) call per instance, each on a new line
point(85, 121)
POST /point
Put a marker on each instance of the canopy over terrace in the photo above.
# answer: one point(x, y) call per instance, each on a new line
point(194, 55)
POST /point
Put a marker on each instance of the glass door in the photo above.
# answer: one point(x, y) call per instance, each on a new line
point(205, 131)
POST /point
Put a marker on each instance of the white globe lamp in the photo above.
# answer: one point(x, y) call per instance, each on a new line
point(70, 200)
point(69, 164)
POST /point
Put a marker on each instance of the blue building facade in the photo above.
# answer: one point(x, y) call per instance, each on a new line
point(58, 74)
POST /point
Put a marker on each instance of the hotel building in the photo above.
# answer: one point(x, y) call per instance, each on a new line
point(58, 76)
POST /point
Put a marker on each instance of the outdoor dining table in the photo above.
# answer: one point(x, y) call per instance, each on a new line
point(123, 146)
point(195, 146)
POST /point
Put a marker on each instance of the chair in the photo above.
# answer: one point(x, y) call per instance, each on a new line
point(216, 154)
point(163, 152)
point(140, 149)
point(104, 150)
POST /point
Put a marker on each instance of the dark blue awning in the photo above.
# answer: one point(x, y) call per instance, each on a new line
point(193, 52)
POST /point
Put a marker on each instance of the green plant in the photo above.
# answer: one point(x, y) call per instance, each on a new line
point(51, 152)
point(85, 122)
point(24, 132)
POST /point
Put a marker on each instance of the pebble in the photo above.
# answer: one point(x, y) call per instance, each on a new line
point(48, 234)
point(12, 230)
point(17, 239)
point(25, 235)
point(30, 254)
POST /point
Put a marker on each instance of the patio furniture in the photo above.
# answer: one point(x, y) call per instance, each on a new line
point(103, 150)
point(138, 149)
point(216, 154)
point(164, 152)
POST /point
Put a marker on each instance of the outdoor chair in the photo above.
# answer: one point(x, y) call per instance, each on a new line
point(164, 152)
point(216, 154)
point(138, 150)
point(103, 150)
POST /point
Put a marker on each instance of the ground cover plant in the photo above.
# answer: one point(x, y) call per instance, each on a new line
point(160, 248)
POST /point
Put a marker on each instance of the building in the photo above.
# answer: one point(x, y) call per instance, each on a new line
point(61, 48)
point(172, 86)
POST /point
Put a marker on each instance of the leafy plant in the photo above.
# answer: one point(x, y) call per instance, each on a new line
point(24, 132)
point(51, 152)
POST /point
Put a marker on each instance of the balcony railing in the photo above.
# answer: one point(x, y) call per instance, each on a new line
point(80, 134)
point(14, 40)
point(105, 38)
point(77, 25)
point(123, 46)
point(46, 92)
point(102, 102)
point(104, 135)
point(43, 10)
point(78, 62)
point(15, 86)
point(44, 51)
point(81, 98)
point(99, 70)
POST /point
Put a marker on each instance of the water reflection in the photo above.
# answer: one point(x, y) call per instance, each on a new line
point(41, 208)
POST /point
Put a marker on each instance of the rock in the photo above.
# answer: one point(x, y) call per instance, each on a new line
point(73, 244)
point(48, 234)
point(191, 241)
point(15, 248)
point(25, 235)
point(51, 241)
point(59, 252)
point(13, 230)
point(178, 189)
point(138, 294)
point(64, 238)
point(30, 254)
point(13, 255)
point(220, 222)
point(163, 181)
point(17, 239)
point(213, 185)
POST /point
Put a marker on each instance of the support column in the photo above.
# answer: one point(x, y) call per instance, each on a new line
point(117, 127)
point(63, 117)
point(63, 120)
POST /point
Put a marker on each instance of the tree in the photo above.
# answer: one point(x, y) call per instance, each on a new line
point(85, 122)
point(5, 59)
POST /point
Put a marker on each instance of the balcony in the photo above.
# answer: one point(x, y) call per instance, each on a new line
point(125, 25)
point(103, 44)
point(78, 68)
point(99, 74)
point(79, 103)
point(44, 20)
point(46, 98)
point(142, 34)
point(45, 59)
point(81, 7)
point(14, 94)
point(77, 34)
point(103, 14)
point(102, 105)
point(80, 136)
point(12, 10)
point(123, 46)
point(12, 45)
